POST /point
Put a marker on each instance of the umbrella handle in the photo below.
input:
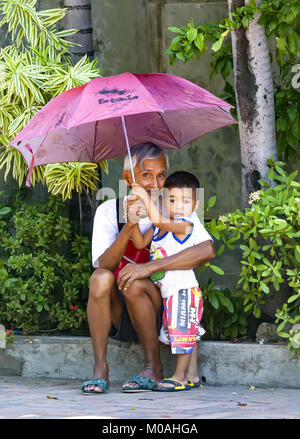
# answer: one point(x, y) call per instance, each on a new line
point(128, 148)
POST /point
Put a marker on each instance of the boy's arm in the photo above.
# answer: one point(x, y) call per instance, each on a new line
point(141, 241)
point(179, 227)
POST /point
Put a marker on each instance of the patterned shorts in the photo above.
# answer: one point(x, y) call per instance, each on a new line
point(182, 315)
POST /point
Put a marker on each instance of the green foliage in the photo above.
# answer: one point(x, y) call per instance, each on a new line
point(34, 69)
point(224, 314)
point(282, 22)
point(268, 235)
point(44, 269)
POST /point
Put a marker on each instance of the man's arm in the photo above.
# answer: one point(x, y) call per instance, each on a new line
point(186, 259)
point(112, 256)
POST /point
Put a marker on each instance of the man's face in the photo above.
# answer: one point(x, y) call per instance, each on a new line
point(152, 176)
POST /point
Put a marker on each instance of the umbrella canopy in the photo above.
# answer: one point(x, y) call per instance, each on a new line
point(105, 117)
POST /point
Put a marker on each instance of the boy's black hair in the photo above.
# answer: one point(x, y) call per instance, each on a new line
point(182, 179)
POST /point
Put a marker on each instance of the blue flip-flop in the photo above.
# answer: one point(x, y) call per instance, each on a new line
point(178, 386)
point(101, 382)
point(193, 385)
point(145, 384)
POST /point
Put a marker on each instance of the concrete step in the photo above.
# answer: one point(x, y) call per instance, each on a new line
point(220, 362)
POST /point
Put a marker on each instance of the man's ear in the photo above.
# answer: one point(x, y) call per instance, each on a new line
point(127, 177)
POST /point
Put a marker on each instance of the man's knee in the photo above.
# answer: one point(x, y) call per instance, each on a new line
point(101, 283)
point(137, 288)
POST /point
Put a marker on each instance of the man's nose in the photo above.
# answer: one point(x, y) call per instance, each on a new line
point(154, 183)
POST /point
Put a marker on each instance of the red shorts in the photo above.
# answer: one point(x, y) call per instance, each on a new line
point(182, 315)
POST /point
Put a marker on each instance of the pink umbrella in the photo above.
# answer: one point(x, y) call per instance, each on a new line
point(105, 117)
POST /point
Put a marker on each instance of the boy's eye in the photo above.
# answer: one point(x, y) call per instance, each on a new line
point(146, 174)
point(172, 201)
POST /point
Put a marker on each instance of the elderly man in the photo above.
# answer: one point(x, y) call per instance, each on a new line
point(128, 309)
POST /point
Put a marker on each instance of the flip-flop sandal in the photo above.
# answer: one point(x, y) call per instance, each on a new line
point(101, 382)
point(145, 384)
point(193, 385)
point(178, 386)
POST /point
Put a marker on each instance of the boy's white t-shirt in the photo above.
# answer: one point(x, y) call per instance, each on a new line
point(170, 282)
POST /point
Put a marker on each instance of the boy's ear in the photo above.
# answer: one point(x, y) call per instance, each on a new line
point(127, 177)
point(197, 205)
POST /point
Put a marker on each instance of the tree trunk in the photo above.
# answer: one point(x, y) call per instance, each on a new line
point(255, 101)
point(78, 16)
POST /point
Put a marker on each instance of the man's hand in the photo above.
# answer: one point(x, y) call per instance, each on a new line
point(132, 272)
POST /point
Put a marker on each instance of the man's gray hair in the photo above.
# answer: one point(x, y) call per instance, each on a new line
point(141, 152)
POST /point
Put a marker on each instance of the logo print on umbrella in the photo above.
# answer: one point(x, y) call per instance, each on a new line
point(117, 92)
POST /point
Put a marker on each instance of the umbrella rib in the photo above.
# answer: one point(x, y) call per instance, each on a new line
point(169, 130)
point(95, 135)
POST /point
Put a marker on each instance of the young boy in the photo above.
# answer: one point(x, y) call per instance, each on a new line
point(177, 228)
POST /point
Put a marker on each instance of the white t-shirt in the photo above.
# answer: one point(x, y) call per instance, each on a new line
point(105, 230)
point(170, 282)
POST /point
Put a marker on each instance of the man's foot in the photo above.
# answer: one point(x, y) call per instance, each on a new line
point(91, 387)
point(154, 374)
point(99, 373)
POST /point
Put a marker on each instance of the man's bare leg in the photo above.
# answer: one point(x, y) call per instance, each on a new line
point(143, 301)
point(103, 309)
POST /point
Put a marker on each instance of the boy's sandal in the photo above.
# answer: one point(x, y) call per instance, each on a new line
point(193, 385)
point(178, 386)
point(97, 382)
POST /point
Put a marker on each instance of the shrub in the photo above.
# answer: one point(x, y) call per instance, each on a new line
point(45, 269)
point(268, 235)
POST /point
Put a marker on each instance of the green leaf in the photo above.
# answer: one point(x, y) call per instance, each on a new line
point(176, 30)
point(256, 311)
point(296, 127)
point(214, 301)
point(264, 287)
point(216, 269)
point(192, 34)
point(293, 298)
point(199, 42)
point(280, 223)
point(4, 210)
point(217, 45)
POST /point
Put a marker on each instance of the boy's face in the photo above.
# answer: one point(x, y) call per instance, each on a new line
point(180, 201)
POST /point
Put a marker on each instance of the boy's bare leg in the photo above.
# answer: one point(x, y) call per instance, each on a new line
point(103, 309)
point(182, 364)
point(143, 301)
point(192, 371)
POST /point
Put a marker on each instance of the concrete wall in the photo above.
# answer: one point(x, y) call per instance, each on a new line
point(220, 363)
